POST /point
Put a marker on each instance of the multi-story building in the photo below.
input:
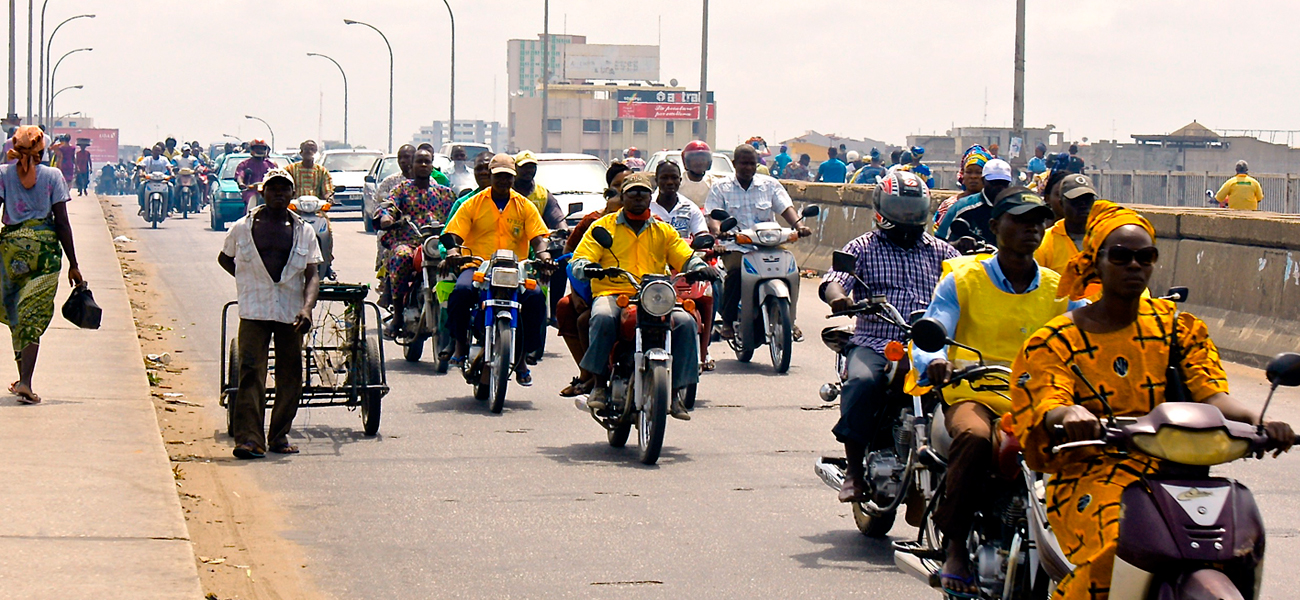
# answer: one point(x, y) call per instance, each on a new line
point(480, 132)
point(524, 63)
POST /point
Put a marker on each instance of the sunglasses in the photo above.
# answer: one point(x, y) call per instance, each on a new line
point(1121, 256)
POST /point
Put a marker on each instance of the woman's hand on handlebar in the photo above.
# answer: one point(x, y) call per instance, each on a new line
point(1280, 437)
point(1078, 424)
point(939, 372)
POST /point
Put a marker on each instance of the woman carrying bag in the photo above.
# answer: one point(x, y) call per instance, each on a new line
point(34, 236)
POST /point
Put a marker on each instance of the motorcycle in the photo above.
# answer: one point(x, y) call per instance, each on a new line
point(769, 285)
point(421, 313)
point(313, 210)
point(187, 192)
point(157, 189)
point(641, 375)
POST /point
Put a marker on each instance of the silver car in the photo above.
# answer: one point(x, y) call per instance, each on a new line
point(576, 181)
point(381, 169)
point(347, 169)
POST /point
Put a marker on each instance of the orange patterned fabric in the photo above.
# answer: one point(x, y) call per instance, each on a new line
point(1127, 368)
point(1105, 218)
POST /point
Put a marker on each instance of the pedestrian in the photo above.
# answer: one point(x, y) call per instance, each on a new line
point(1038, 164)
point(1076, 164)
point(832, 170)
point(82, 163)
point(921, 170)
point(35, 236)
point(68, 159)
point(799, 171)
point(1241, 192)
point(781, 161)
point(270, 239)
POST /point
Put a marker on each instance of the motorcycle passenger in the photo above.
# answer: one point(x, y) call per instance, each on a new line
point(992, 305)
point(1071, 196)
point(170, 150)
point(688, 220)
point(643, 246)
point(309, 178)
point(970, 179)
point(975, 211)
point(249, 173)
point(902, 261)
point(1122, 344)
point(547, 206)
point(697, 160)
point(752, 199)
point(869, 173)
point(155, 162)
point(498, 218)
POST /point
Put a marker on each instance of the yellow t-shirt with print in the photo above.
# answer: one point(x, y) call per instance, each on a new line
point(486, 229)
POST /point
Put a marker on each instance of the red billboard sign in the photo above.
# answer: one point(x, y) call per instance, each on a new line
point(103, 142)
point(662, 105)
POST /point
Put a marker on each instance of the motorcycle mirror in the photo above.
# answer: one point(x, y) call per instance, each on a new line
point(718, 214)
point(603, 237)
point(702, 242)
point(959, 229)
point(1284, 369)
point(728, 224)
point(1177, 294)
point(843, 262)
point(915, 316)
point(811, 210)
point(1209, 193)
point(929, 335)
point(575, 208)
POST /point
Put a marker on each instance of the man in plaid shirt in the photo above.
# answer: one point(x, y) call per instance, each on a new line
point(902, 262)
point(309, 178)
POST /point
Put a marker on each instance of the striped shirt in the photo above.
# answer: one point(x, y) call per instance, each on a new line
point(906, 277)
point(311, 182)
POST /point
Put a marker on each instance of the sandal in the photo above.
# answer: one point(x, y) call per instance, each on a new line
point(577, 387)
point(284, 448)
point(966, 582)
point(248, 451)
point(710, 364)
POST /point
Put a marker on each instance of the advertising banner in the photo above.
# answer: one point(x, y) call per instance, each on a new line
point(103, 142)
point(662, 105)
point(609, 61)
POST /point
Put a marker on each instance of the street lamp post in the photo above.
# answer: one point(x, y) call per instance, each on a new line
point(704, 76)
point(268, 128)
point(452, 103)
point(345, 93)
point(56, 94)
point(390, 76)
point(546, 72)
point(49, 45)
point(40, 91)
point(1018, 93)
point(53, 73)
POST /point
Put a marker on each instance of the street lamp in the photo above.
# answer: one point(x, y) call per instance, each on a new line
point(345, 94)
point(390, 76)
point(56, 94)
point(452, 103)
point(268, 128)
point(704, 76)
point(55, 71)
point(232, 137)
point(46, 49)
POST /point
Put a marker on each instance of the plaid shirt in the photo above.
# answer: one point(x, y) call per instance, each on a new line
point(907, 278)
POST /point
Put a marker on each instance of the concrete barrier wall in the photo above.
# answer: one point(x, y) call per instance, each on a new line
point(1243, 268)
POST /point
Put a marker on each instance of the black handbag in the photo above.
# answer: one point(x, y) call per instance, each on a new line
point(81, 310)
point(1175, 385)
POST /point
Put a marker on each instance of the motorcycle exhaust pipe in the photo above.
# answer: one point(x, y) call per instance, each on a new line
point(914, 566)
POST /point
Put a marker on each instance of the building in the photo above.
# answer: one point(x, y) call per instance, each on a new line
point(478, 132)
point(949, 147)
point(1192, 148)
point(814, 144)
point(524, 63)
point(74, 121)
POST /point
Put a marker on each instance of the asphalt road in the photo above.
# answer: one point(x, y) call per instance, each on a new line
point(452, 501)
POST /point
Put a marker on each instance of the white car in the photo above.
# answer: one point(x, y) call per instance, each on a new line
point(472, 149)
point(576, 181)
point(348, 169)
point(379, 171)
point(721, 164)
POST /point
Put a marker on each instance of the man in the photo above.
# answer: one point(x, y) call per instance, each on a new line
point(154, 162)
point(249, 173)
point(1242, 192)
point(992, 305)
point(438, 176)
point(642, 245)
point(867, 175)
point(82, 161)
point(799, 171)
point(752, 199)
point(186, 160)
point(527, 186)
point(197, 150)
point(922, 170)
point(1038, 164)
point(421, 202)
point(697, 161)
point(498, 218)
point(273, 254)
point(170, 150)
point(894, 158)
point(832, 170)
point(1065, 238)
point(309, 178)
point(852, 162)
point(781, 161)
point(904, 262)
point(679, 213)
point(632, 158)
point(461, 178)
point(975, 211)
point(1076, 164)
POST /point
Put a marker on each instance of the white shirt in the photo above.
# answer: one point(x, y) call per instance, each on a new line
point(162, 164)
point(261, 298)
point(685, 217)
point(761, 203)
point(698, 191)
point(186, 162)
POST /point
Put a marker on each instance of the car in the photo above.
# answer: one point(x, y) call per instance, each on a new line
point(577, 181)
point(347, 170)
point(472, 149)
point(721, 163)
point(227, 202)
point(381, 170)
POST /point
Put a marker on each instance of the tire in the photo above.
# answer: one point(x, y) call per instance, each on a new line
point(778, 315)
point(743, 354)
point(232, 379)
point(217, 223)
point(185, 207)
point(652, 420)
point(412, 351)
point(369, 224)
point(372, 400)
point(873, 527)
point(504, 354)
point(688, 396)
point(618, 435)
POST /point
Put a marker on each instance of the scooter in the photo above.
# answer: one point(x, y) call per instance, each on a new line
point(156, 192)
point(641, 364)
point(313, 210)
point(769, 285)
point(187, 192)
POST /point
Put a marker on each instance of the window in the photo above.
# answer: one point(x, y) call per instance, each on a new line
point(554, 125)
point(640, 127)
point(695, 129)
point(616, 126)
point(670, 128)
point(591, 125)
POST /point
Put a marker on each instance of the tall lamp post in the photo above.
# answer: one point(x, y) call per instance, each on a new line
point(54, 73)
point(546, 72)
point(56, 94)
point(268, 128)
point(704, 76)
point(1018, 93)
point(451, 137)
point(345, 93)
point(46, 53)
point(390, 76)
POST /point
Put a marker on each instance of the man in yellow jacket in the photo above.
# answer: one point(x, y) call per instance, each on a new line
point(1242, 192)
point(642, 245)
point(993, 305)
point(1072, 198)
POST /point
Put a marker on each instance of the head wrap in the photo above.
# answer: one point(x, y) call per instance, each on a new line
point(29, 142)
point(975, 155)
point(1105, 218)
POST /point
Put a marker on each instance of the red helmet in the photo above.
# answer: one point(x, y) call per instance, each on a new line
point(696, 146)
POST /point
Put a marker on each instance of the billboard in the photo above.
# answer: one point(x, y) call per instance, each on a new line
point(103, 142)
point(665, 105)
point(609, 61)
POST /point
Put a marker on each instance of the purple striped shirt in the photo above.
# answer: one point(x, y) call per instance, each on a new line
point(907, 278)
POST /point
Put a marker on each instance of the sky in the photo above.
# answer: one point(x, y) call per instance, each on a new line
point(1096, 69)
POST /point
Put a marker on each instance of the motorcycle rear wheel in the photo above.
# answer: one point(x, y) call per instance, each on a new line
point(502, 356)
point(654, 416)
point(872, 527)
point(414, 349)
point(778, 318)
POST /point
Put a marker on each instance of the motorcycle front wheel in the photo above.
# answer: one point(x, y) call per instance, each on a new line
point(414, 349)
point(782, 334)
point(502, 356)
point(872, 526)
point(653, 417)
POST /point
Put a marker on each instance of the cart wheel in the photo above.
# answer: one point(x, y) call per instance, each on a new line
point(232, 379)
point(413, 350)
point(372, 400)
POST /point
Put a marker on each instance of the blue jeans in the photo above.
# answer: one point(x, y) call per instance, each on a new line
point(464, 297)
point(685, 345)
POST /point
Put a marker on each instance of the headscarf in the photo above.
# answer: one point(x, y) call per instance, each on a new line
point(28, 142)
point(1105, 218)
point(975, 155)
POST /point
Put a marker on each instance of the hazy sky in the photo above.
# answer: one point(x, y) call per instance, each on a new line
point(856, 68)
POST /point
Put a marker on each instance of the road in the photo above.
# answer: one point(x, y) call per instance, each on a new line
point(451, 501)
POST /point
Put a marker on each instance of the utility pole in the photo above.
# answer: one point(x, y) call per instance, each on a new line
point(31, 14)
point(13, 60)
point(546, 71)
point(1018, 96)
point(704, 76)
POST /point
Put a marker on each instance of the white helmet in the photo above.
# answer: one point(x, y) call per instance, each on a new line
point(901, 198)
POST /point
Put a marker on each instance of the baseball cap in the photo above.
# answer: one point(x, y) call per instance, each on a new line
point(1074, 186)
point(641, 179)
point(524, 158)
point(275, 174)
point(502, 163)
point(1020, 200)
point(997, 170)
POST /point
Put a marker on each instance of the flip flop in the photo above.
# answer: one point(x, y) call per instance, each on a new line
point(248, 451)
point(965, 581)
point(25, 398)
point(11, 388)
point(285, 448)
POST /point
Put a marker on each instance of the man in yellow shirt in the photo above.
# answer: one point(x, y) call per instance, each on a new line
point(498, 218)
point(643, 245)
point(1242, 192)
point(1072, 197)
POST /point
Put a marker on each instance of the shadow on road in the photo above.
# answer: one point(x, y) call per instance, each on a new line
point(467, 404)
point(601, 453)
point(849, 550)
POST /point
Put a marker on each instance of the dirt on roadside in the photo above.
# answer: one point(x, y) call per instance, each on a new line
point(233, 524)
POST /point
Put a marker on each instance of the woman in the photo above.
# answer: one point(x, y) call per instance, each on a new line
point(1121, 345)
point(35, 226)
point(970, 179)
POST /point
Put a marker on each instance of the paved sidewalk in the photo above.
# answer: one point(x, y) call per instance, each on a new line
point(88, 506)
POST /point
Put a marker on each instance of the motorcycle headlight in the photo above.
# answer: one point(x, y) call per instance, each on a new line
point(769, 237)
point(658, 298)
point(431, 249)
point(307, 204)
point(1197, 448)
point(503, 277)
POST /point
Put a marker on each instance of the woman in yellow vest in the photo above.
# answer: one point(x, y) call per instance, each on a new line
point(994, 305)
